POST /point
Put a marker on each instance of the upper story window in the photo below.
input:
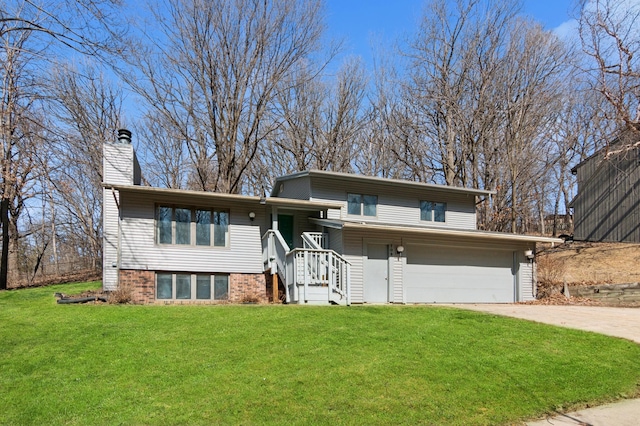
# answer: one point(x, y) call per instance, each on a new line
point(186, 226)
point(432, 212)
point(362, 205)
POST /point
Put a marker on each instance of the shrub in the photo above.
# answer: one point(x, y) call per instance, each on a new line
point(123, 294)
point(550, 274)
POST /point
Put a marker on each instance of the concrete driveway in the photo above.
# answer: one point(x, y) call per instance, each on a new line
point(618, 322)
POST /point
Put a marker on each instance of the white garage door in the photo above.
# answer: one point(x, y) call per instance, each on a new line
point(435, 274)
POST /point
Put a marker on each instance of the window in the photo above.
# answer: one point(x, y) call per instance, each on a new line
point(192, 286)
point(183, 286)
point(203, 227)
point(203, 287)
point(185, 226)
point(362, 205)
point(164, 286)
point(164, 225)
point(221, 287)
point(354, 203)
point(432, 212)
point(220, 228)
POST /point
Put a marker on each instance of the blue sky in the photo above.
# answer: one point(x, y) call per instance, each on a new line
point(363, 22)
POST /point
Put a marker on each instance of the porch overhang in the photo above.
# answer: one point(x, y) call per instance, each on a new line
point(432, 231)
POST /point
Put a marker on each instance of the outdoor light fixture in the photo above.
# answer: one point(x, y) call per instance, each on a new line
point(400, 250)
point(252, 215)
point(529, 254)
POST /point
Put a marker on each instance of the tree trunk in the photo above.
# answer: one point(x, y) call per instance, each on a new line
point(4, 257)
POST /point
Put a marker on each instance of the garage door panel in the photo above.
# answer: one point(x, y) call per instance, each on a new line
point(448, 256)
point(458, 275)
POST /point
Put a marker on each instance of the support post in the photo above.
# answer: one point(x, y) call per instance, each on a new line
point(274, 290)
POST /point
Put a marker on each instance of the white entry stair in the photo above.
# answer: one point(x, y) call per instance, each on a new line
point(312, 274)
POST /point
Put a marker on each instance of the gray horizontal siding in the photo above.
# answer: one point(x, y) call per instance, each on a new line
point(353, 254)
point(527, 285)
point(109, 239)
point(298, 188)
point(139, 250)
point(119, 164)
point(607, 207)
point(335, 240)
point(397, 265)
point(394, 207)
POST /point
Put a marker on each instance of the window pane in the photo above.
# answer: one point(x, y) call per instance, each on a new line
point(203, 227)
point(183, 286)
point(164, 225)
point(354, 202)
point(183, 225)
point(426, 208)
point(203, 287)
point(439, 210)
point(221, 287)
point(370, 204)
point(163, 286)
point(220, 228)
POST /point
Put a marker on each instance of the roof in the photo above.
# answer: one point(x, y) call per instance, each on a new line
point(426, 230)
point(380, 181)
point(619, 137)
point(218, 196)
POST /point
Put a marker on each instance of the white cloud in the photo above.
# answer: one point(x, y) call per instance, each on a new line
point(567, 31)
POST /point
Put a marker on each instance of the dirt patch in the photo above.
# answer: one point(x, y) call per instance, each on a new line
point(583, 264)
point(71, 277)
point(594, 263)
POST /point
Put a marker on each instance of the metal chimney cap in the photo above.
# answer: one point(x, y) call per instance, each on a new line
point(124, 136)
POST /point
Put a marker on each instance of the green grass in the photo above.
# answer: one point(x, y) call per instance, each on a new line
point(106, 364)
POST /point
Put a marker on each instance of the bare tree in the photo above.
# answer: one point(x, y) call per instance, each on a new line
point(212, 71)
point(319, 121)
point(610, 34)
point(534, 66)
point(87, 112)
point(20, 134)
point(89, 27)
point(456, 44)
point(31, 34)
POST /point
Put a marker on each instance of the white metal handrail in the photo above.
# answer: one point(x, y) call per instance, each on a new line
point(307, 266)
point(323, 268)
point(274, 252)
point(314, 240)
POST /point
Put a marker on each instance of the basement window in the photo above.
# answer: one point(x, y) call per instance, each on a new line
point(180, 286)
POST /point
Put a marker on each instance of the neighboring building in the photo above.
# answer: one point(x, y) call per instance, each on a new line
point(607, 206)
point(325, 237)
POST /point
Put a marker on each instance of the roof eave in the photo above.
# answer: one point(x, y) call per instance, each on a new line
point(474, 234)
point(248, 199)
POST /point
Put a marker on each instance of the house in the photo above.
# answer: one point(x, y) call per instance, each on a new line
point(321, 237)
point(607, 205)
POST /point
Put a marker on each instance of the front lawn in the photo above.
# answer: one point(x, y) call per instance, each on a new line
point(108, 364)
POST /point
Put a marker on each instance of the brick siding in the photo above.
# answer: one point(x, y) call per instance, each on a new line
point(141, 284)
point(247, 288)
point(242, 288)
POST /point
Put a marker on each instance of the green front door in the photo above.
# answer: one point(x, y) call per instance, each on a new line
point(285, 226)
